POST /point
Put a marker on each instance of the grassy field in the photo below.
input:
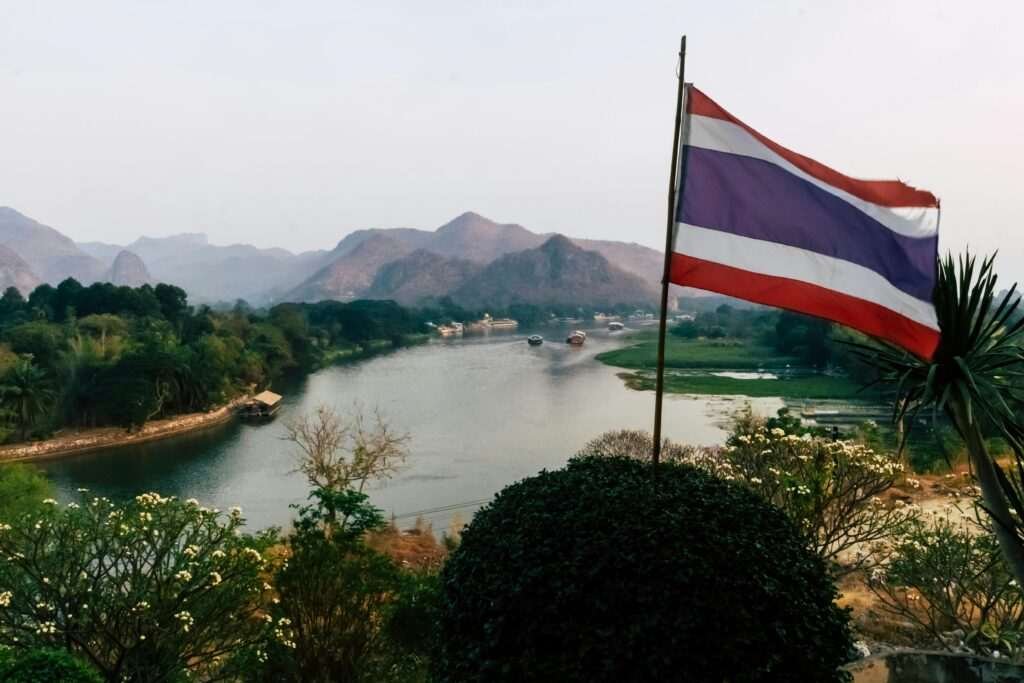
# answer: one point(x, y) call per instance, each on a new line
point(812, 386)
point(699, 353)
point(727, 354)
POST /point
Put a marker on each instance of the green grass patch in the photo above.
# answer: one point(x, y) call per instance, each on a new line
point(699, 353)
point(810, 386)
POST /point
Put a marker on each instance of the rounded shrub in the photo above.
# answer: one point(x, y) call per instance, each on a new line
point(602, 572)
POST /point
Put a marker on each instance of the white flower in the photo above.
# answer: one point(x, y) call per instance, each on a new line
point(778, 432)
point(49, 501)
point(217, 554)
point(236, 511)
point(186, 620)
point(152, 498)
point(5, 598)
point(193, 502)
point(215, 578)
point(191, 551)
point(184, 575)
point(46, 628)
point(253, 553)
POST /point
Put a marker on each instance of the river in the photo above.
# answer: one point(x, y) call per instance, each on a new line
point(482, 412)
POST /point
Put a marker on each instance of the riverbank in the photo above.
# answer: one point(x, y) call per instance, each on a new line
point(371, 347)
point(70, 442)
point(74, 441)
point(692, 364)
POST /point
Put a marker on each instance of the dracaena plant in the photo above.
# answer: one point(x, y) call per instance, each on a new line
point(973, 378)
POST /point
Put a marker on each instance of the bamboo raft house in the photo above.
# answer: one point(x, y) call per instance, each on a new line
point(262, 406)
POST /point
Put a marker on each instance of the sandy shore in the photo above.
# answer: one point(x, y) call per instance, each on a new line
point(69, 442)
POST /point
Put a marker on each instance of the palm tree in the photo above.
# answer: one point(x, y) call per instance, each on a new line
point(26, 393)
point(972, 379)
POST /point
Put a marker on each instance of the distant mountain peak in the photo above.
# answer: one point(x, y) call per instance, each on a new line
point(15, 272)
point(50, 254)
point(559, 242)
point(556, 272)
point(199, 239)
point(6, 211)
point(128, 270)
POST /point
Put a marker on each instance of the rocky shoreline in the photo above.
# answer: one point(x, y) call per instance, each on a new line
point(81, 441)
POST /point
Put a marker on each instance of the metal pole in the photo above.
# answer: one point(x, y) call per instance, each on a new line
point(659, 388)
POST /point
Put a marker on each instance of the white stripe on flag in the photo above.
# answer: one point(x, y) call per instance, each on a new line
point(725, 136)
point(779, 260)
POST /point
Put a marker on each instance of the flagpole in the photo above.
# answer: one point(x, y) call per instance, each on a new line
point(659, 388)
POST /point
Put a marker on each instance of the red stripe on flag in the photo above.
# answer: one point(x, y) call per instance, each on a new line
point(804, 297)
point(892, 193)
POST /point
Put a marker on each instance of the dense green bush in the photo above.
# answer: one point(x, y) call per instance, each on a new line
point(45, 666)
point(600, 572)
point(22, 490)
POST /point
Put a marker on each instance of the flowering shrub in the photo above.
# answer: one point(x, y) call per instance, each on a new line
point(599, 572)
point(145, 590)
point(829, 488)
point(946, 576)
point(638, 445)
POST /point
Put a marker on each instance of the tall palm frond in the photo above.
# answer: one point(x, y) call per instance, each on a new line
point(973, 378)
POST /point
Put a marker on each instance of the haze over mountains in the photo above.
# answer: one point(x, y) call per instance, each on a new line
point(476, 261)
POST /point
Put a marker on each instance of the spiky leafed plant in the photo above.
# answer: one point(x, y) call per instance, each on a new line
point(972, 380)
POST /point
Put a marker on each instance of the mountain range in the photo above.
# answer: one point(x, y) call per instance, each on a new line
point(471, 258)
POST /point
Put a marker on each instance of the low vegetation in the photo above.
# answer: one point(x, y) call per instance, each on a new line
point(807, 357)
point(795, 386)
point(944, 575)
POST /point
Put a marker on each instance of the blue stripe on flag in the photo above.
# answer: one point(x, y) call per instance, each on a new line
point(757, 199)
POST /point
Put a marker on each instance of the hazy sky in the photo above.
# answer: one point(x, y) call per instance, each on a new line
point(293, 123)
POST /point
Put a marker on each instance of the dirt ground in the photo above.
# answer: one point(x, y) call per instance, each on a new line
point(950, 493)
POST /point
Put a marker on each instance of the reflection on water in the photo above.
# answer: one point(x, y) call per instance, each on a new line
point(482, 412)
point(732, 374)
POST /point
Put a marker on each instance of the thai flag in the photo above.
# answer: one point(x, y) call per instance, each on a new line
point(757, 221)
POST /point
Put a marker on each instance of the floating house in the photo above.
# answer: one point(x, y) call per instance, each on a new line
point(263, 405)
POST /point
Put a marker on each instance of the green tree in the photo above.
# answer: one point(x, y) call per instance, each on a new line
point(334, 592)
point(173, 302)
point(27, 393)
point(45, 666)
point(22, 487)
point(13, 308)
point(43, 341)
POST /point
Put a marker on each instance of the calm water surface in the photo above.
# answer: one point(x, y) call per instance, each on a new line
point(482, 412)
